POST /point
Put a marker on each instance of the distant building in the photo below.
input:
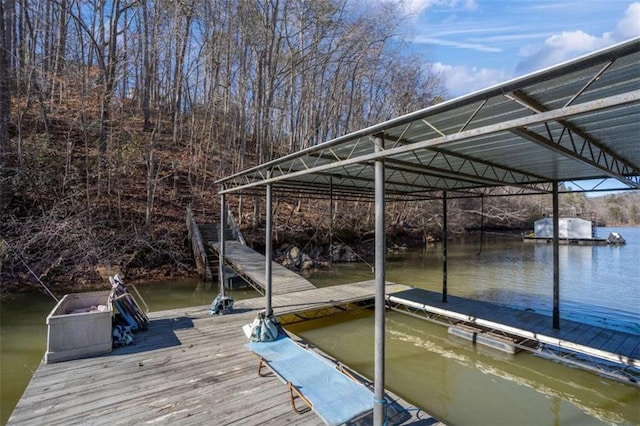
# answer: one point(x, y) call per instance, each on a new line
point(568, 228)
point(571, 230)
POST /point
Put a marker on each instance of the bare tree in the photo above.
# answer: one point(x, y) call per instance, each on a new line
point(102, 91)
point(6, 31)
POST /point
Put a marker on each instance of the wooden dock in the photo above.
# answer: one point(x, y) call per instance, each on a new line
point(250, 265)
point(608, 352)
point(193, 368)
point(189, 368)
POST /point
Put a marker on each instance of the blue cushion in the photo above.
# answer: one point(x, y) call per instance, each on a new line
point(335, 397)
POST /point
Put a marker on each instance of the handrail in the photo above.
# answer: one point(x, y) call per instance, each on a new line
point(235, 229)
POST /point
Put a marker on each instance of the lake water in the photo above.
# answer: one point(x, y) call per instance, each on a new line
point(599, 285)
point(456, 382)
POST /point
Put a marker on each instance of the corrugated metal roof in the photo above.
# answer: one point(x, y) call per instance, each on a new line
point(574, 121)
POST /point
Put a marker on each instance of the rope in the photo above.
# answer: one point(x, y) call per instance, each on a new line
point(30, 271)
point(384, 402)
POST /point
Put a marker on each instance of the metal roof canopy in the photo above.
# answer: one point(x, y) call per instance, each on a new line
point(574, 121)
point(578, 120)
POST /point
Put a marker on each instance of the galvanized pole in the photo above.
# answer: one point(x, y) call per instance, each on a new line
point(330, 222)
point(223, 223)
point(379, 406)
point(268, 252)
point(556, 258)
point(444, 246)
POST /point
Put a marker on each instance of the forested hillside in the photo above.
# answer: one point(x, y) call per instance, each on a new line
point(117, 114)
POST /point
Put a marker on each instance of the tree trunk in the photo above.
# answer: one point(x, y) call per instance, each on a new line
point(179, 73)
point(6, 20)
point(61, 46)
point(146, 71)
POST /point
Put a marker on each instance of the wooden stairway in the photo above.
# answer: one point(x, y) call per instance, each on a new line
point(202, 236)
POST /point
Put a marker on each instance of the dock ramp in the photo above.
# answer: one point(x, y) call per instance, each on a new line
point(250, 265)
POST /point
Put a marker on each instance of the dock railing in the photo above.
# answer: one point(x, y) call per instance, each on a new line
point(235, 229)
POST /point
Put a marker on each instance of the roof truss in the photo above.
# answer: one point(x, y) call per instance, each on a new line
point(578, 120)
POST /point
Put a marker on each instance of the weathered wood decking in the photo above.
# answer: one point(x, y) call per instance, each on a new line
point(594, 343)
point(192, 368)
point(250, 264)
point(189, 368)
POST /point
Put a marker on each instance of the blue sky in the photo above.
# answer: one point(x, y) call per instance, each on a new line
point(479, 43)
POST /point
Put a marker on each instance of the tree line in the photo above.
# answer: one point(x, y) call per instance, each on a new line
point(116, 113)
point(280, 74)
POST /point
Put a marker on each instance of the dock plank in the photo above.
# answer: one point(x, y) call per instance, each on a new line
point(614, 342)
point(251, 265)
point(189, 368)
point(193, 368)
point(572, 336)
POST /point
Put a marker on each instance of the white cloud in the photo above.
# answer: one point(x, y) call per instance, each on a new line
point(461, 80)
point(629, 25)
point(559, 48)
point(570, 44)
point(415, 7)
point(457, 44)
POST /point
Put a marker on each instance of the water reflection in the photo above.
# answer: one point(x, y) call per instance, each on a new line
point(463, 385)
point(460, 384)
point(599, 285)
point(172, 294)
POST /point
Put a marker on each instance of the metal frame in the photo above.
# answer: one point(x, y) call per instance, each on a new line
point(553, 117)
point(624, 373)
point(572, 122)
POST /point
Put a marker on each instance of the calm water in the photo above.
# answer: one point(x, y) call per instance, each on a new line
point(461, 385)
point(598, 285)
point(453, 381)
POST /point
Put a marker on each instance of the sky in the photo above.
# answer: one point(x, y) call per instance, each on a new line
point(475, 44)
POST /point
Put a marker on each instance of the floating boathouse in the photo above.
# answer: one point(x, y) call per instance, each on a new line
point(571, 230)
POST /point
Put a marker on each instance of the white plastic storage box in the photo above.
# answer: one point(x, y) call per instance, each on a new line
point(79, 326)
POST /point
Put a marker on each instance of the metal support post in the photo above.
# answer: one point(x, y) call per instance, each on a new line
point(330, 221)
point(223, 224)
point(556, 258)
point(444, 246)
point(221, 304)
point(268, 251)
point(379, 406)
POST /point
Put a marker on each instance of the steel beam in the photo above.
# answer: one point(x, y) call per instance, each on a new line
point(556, 258)
point(605, 161)
point(451, 173)
point(268, 251)
point(221, 251)
point(379, 406)
point(249, 180)
point(444, 247)
point(599, 155)
point(331, 222)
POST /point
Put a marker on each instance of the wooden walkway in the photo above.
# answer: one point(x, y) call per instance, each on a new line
point(250, 265)
point(189, 368)
point(609, 352)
